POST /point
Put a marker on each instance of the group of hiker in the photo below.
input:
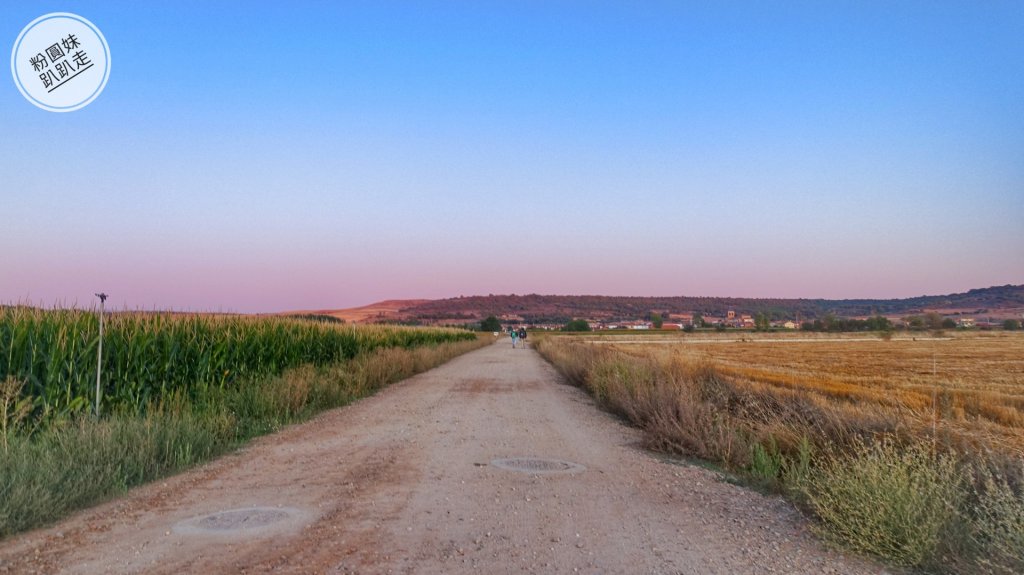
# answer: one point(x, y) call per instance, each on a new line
point(518, 335)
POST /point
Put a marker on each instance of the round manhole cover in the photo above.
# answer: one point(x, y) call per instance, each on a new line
point(241, 519)
point(249, 519)
point(538, 465)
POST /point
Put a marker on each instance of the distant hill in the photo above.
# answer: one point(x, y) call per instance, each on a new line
point(533, 308)
point(382, 311)
point(996, 302)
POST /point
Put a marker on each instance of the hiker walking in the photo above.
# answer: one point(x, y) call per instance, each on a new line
point(522, 335)
point(515, 336)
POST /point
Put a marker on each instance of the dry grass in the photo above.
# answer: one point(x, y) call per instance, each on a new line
point(938, 422)
point(968, 387)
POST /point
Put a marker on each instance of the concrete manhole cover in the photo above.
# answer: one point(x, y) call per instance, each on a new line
point(246, 520)
point(537, 465)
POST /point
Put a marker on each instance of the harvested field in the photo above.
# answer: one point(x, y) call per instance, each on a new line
point(972, 382)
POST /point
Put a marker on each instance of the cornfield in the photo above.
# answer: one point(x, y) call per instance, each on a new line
point(147, 356)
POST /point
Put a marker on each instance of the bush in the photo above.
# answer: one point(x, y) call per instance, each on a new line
point(997, 520)
point(766, 463)
point(490, 324)
point(577, 325)
point(887, 500)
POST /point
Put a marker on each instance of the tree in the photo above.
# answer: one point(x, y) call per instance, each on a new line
point(698, 320)
point(1011, 325)
point(490, 324)
point(933, 320)
point(761, 322)
point(948, 323)
point(879, 323)
point(657, 320)
point(577, 325)
point(831, 322)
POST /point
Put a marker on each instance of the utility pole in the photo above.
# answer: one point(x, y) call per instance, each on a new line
point(99, 353)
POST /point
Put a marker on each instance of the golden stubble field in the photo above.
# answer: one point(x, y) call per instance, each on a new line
point(971, 384)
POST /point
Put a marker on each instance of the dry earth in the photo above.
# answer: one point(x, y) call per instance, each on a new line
point(405, 482)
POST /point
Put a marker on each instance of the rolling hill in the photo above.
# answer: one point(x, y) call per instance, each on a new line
point(996, 302)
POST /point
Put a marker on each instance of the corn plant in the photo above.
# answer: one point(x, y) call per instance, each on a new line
point(149, 355)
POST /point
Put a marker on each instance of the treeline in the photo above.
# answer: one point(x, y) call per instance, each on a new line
point(832, 323)
point(536, 308)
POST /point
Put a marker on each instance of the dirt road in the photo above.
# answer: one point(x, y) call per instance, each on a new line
point(409, 481)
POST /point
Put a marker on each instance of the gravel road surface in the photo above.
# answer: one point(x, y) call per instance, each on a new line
point(488, 464)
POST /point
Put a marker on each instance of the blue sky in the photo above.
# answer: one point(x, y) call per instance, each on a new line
point(270, 156)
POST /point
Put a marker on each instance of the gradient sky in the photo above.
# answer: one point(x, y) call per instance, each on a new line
point(258, 156)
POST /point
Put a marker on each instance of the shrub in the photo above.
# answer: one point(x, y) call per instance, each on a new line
point(996, 517)
point(766, 463)
point(577, 325)
point(887, 500)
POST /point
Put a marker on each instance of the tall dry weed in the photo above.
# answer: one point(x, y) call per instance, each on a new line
point(904, 497)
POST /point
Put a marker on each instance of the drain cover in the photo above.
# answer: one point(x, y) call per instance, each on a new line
point(249, 519)
point(537, 465)
point(241, 519)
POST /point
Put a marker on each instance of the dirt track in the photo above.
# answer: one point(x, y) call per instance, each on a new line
point(402, 482)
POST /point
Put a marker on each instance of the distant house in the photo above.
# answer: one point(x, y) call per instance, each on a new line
point(966, 322)
point(746, 321)
point(683, 318)
point(730, 315)
point(790, 324)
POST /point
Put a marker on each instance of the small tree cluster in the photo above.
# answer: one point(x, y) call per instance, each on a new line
point(832, 323)
point(490, 324)
point(577, 325)
point(762, 322)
